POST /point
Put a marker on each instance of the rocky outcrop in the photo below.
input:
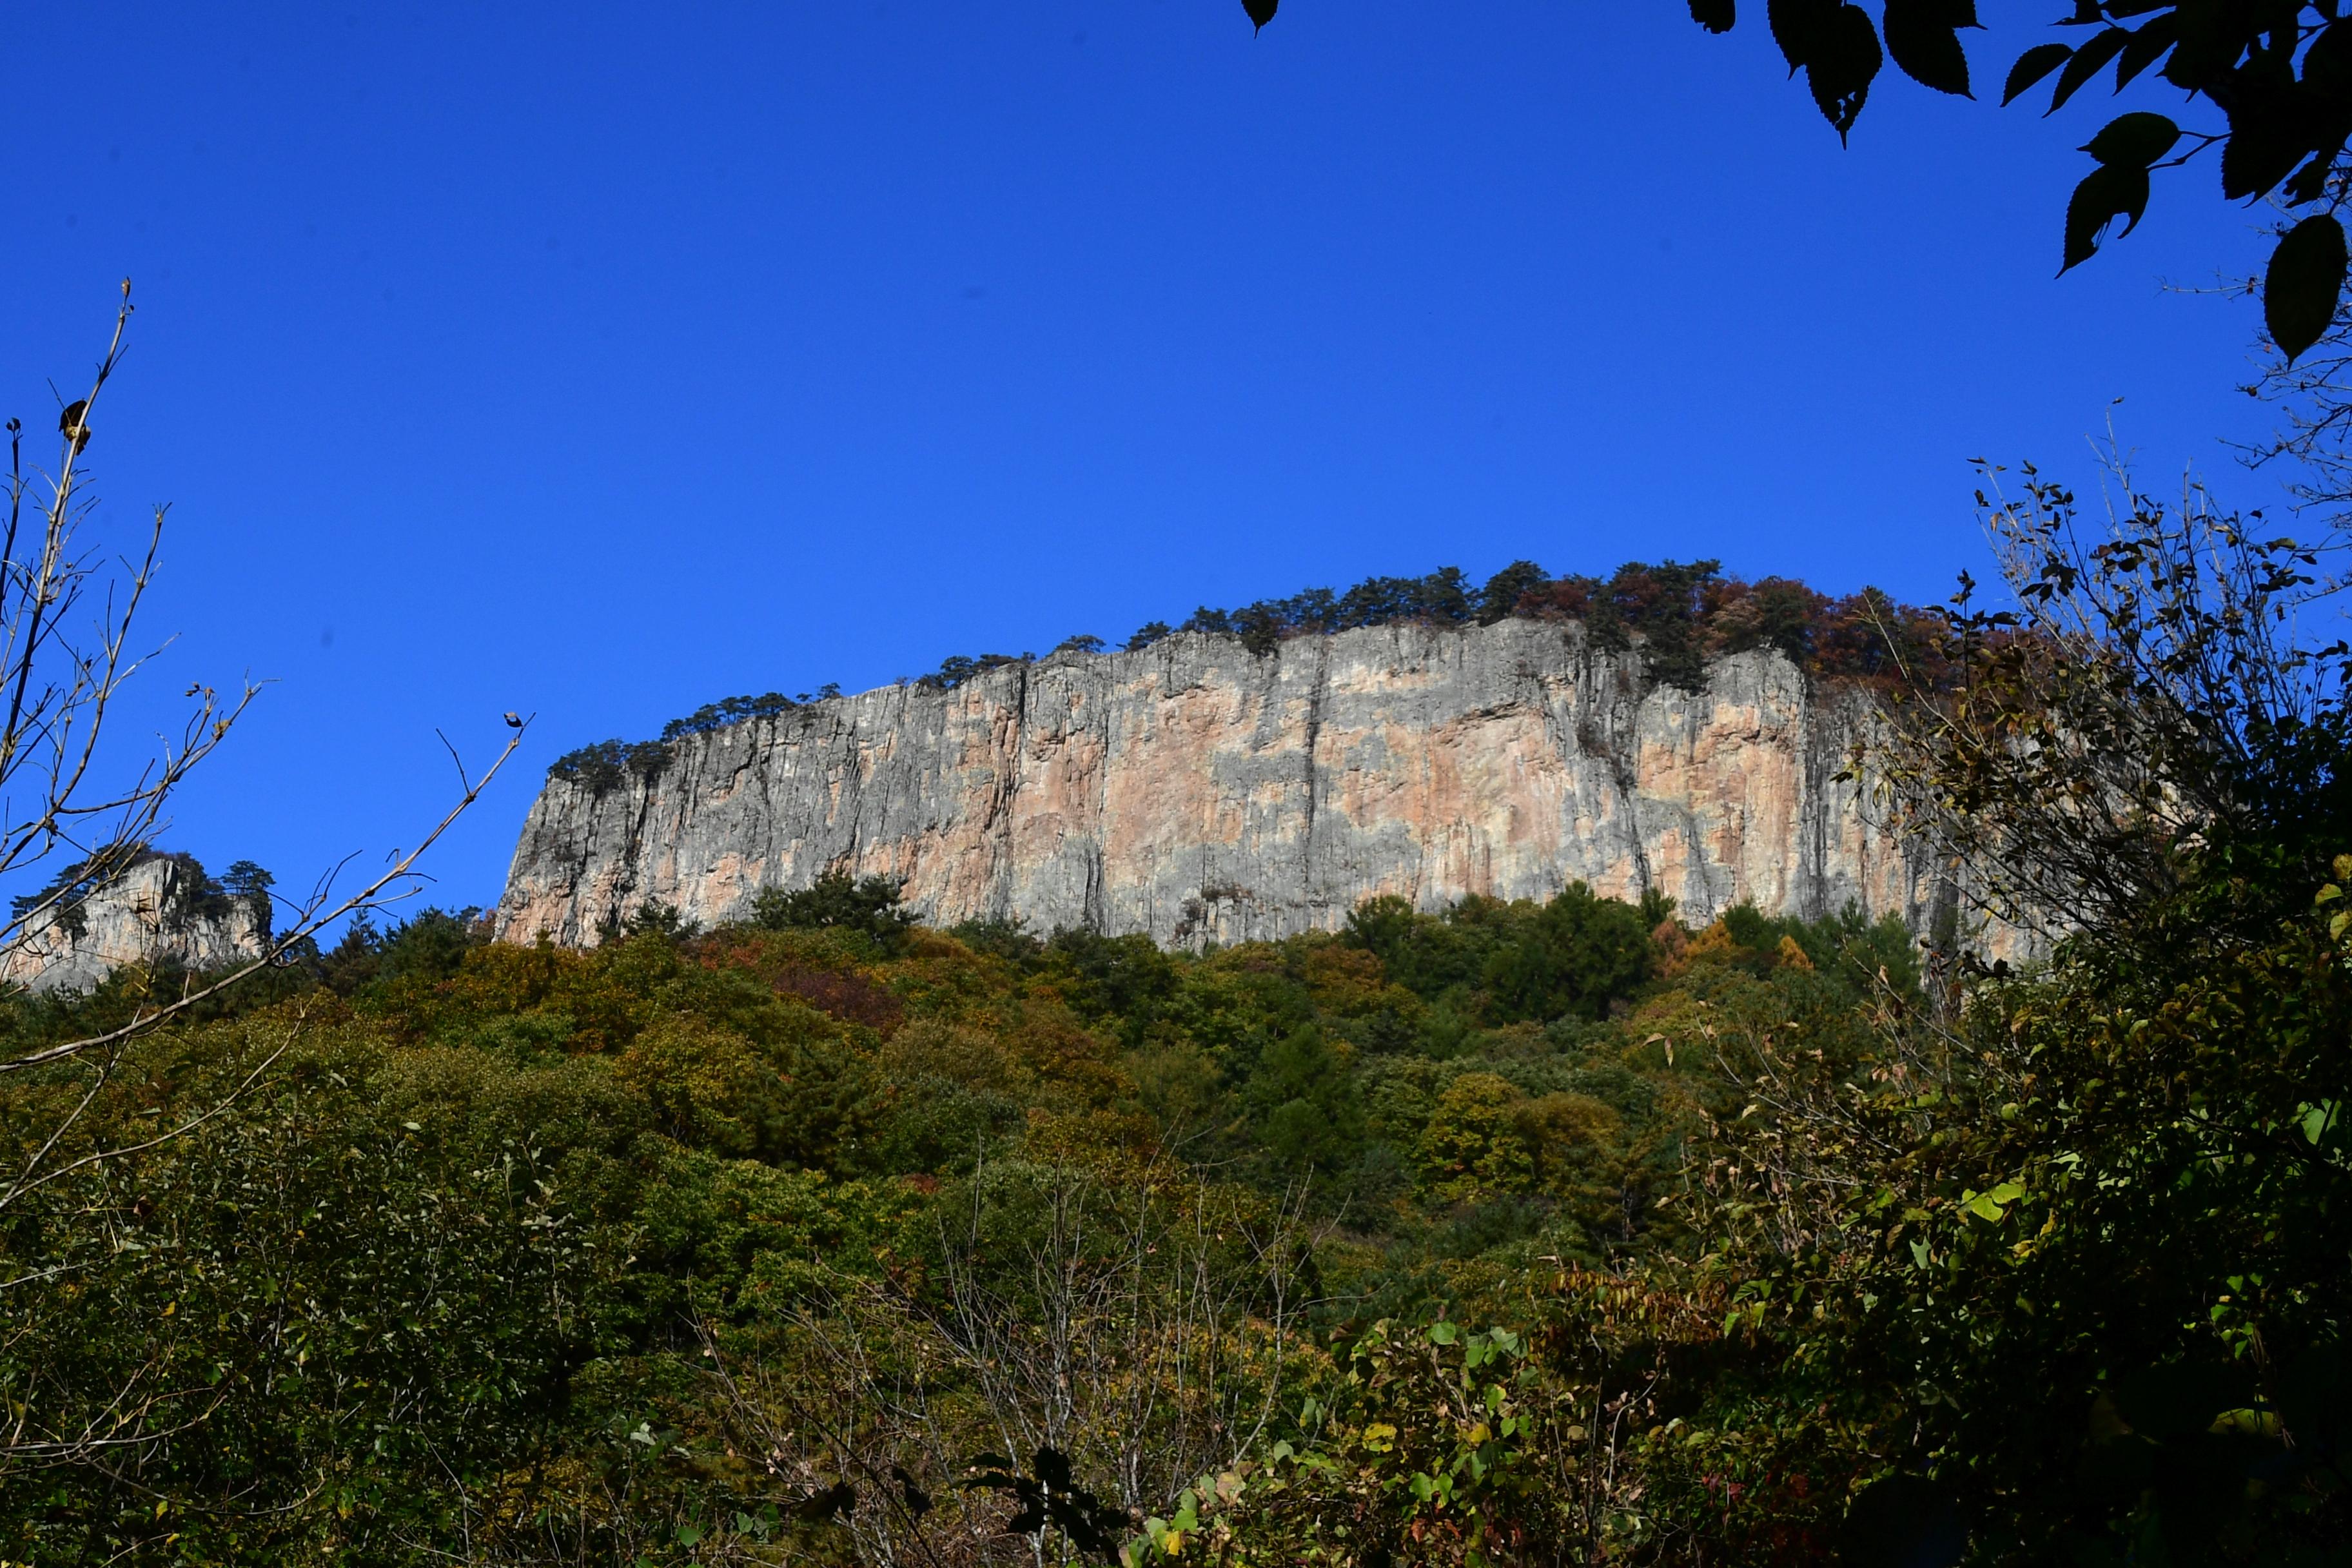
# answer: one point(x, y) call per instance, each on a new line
point(162, 912)
point(1195, 792)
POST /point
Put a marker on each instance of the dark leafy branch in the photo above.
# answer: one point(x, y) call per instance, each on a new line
point(2278, 72)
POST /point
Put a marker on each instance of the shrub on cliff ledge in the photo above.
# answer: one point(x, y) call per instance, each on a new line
point(607, 763)
point(1681, 614)
point(838, 900)
point(727, 710)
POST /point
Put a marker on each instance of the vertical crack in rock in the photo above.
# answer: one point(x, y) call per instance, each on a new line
point(1610, 698)
point(1316, 691)
point(847, 803)
point(632, 857)
point(1003, 801)
point(1821, 765)
point(1097, 909)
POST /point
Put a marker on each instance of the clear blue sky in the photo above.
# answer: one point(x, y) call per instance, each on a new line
point(599, 362)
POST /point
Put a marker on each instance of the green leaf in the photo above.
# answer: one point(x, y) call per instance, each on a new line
point(1715, 15)
point(2031, 66)
point(2304, 280)
point(2317, 1120)
point(1443, 1333)
point(1841, 61)
point(2103, 47)
point(1921, 38)
point(2107, 193)
point(1992, 1204)
point(2134, 141)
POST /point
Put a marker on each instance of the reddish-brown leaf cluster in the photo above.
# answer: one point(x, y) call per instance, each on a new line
point(838, 993)
point(1696, 612)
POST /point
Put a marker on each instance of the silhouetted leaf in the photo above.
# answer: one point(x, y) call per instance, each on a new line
point(1920, 37)
point(827, 1503)
point(1796, 24)
point(2085, 65)
point(1839, 64)
point(1078, 1524)
point(2310, 181)
point(1053, 1468)
point(2145, 48)
point(2265, 144)
point(2033, 66)
point(1261, 12)
point(2108, 192)
point(2304, 280)
point(2134, 141)
point(919, 1501)
point(2166, 1403)
point(2212, 37)
point(1046, 1497)
point(2327, 63)
point(1903, 1522)
point(1715, 15)
point(2315, 1394)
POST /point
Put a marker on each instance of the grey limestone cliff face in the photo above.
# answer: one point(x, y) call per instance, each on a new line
point(1194, 792)
point(156, 912)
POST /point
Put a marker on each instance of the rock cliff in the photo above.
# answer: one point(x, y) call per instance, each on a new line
point(163, 910)
point(1194, 792)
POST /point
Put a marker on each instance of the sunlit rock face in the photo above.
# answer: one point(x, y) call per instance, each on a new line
point(157, 913)
point(1194, 792)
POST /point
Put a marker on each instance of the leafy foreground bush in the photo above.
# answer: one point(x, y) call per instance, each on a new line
point(1518, 1234)
point(522, 1255)
point(747, 1247)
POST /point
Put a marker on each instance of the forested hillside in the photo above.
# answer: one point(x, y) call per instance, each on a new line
point(509, 1214)
point(1530, 1233)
